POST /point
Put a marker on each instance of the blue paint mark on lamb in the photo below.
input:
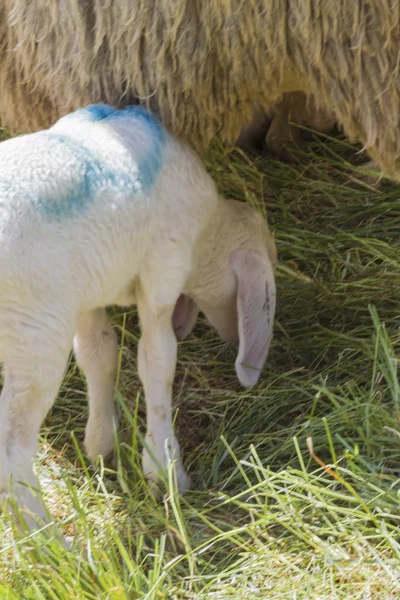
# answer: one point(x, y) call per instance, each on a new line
point(82, 173)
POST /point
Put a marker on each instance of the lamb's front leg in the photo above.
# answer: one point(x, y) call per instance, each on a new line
point(157, 361)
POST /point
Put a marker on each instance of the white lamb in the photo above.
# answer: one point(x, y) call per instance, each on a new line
point(103, 208)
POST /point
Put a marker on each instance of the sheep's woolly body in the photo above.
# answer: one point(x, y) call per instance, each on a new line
point(204, 65)
point(102, 208)
point(96, 179)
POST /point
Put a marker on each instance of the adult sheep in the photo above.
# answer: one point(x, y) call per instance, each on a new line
point(204, 66)
point(273, 132)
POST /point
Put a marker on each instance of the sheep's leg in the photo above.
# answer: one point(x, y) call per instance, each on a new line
point(157, 360)
point(15, 467)
point(96, 351)
point(32, 376)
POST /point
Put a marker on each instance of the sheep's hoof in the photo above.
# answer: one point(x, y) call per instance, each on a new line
point(160, 475)
point(99, 441)
point(159, 488)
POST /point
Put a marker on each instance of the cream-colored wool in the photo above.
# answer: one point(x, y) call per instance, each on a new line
point(282, 127)
point(204, 66)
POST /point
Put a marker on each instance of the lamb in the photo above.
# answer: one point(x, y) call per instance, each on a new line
point(107, 207)
point(203, 67)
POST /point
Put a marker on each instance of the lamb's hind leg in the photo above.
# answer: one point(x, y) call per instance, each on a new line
point(33, 370)
point(96, 351)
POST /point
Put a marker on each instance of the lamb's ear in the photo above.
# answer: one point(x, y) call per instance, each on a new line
point(256, 297)
point(184, 316)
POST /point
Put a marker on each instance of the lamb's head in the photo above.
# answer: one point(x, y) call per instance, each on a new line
point(233, 285)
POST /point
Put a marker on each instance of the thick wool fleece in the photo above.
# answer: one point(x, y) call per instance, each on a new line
point(203, 66)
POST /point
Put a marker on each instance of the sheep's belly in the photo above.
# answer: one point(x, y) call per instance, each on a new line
point(126, 296)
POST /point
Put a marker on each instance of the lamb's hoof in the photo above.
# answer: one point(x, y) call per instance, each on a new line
point(99, 445)
point(158, 479)
point(158, 487)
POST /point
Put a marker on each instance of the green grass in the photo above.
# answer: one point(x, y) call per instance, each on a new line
point(266, 518)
